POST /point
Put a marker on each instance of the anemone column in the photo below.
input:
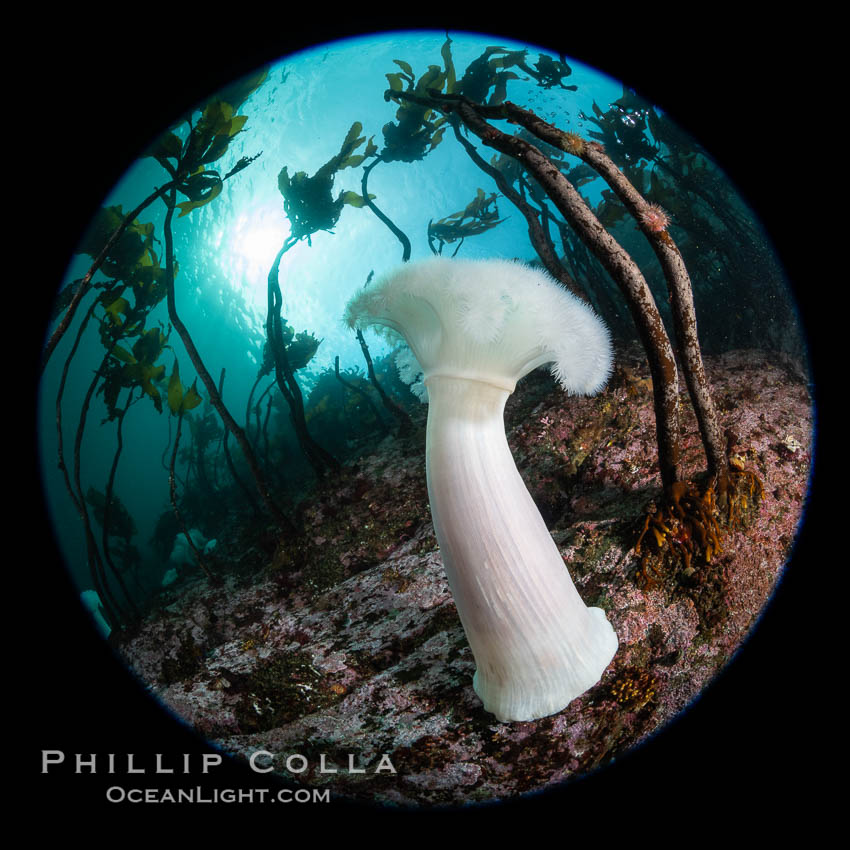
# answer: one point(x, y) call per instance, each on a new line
point(536, 645)
point(476, 328)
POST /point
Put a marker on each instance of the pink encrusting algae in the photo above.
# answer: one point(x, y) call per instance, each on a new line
point(356, 647)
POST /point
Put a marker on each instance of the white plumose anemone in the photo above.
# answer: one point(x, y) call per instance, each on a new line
point(476, 328)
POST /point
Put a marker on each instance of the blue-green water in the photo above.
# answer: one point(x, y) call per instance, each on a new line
point(298, 118)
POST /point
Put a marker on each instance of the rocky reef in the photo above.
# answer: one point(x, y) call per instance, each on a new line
point(344, 646)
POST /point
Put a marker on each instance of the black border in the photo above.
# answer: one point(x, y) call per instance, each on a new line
point(754, 735)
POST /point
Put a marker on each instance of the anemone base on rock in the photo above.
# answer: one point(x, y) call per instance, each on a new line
point(545, 687)
point(688, 527)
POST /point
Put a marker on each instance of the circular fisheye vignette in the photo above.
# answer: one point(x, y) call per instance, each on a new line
point(286, 572)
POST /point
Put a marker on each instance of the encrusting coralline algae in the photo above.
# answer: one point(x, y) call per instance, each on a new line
point(369, 658)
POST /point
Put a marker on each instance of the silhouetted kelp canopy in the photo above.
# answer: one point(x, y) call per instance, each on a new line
point(198, 377)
